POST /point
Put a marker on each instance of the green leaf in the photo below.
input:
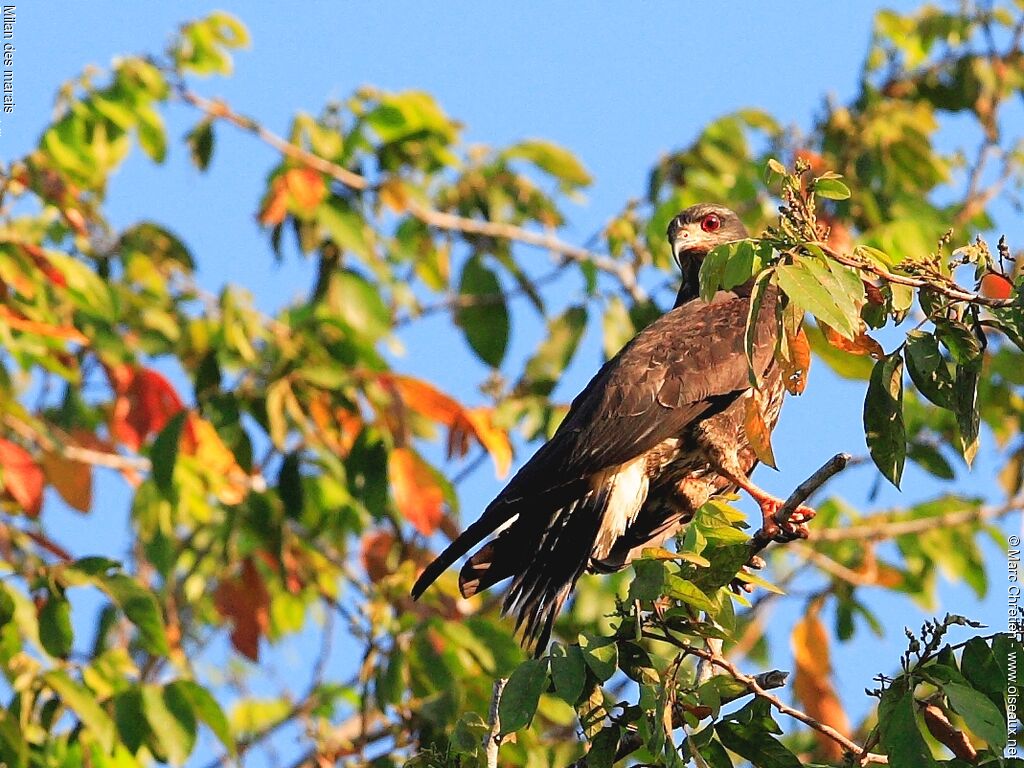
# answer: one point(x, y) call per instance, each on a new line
point(601, 655)
point(200, 143)
point(980, 714)
point(345, 227)
point(545, 368)
point(83, 702)
point(289, 485)
point(753, 313)
point(553, 159)
point(832, 189)
point(7, 606)
point(486, 322)
point(978, 664)
point(358, 303)
point(712, 270)
point(521, 695)
point(141, 608)
point(13, 747)
point(568, 672)
point(960, 340)
point(171, 719)
point(900, 735)
point(883, 417)
point(164, 454)
point(688, 592)
point(803, 284)
point(928, 369)
point(965, 401)
point(55, 631)
point(754, 742)
point(603, 747)
point(742, 265)
point(206, 708)
point(650, 578)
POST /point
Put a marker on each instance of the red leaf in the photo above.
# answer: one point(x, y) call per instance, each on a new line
point(373, 551)
point(145, 402)
point(996, 286)
point(22, 477)
point(246, 602)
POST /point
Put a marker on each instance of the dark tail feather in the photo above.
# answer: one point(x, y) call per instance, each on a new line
point(462, 544)
point(553, 560)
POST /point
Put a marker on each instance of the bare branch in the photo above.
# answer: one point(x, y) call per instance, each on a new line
point(888, 529)
point(449, 222)
point(492, 741)
point(755, 687)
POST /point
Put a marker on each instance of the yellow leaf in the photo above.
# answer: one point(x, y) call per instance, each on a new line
point(492, 438)
point(229, 481)
point(394, 196)
point(72, 479)
point(757, 431)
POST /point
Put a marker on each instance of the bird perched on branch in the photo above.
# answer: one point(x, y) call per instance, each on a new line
point(656, 433)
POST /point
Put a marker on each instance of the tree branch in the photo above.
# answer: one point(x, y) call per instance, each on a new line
point(492, 741)
point(450, 222)
point(888, 529)
point(758, 690)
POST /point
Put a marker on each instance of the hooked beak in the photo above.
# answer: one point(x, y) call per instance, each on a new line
point(688, 240)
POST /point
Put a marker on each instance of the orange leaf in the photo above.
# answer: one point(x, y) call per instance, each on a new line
point(21, 323)
point(417, 495)
point(996, 286)
point(23, 479)
point(758, 434)
point(812, 683)
point(299, 189)
point(72, 479)
point(39, 258)
point(246, 602)
point(434, 404)
point(306, 187)
point(145, 403)
point(794, 370)
point(492, 438)
point(202, 441)
point(861, 345)
point(275, 204)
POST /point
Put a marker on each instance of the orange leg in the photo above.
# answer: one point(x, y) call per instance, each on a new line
point(771, 527)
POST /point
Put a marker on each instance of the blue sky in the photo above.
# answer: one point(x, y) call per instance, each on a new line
point(619, 84)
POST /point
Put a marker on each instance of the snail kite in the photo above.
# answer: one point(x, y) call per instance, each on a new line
point(655, 434)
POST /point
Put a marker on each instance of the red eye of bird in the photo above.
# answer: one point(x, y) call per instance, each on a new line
point(710, 223)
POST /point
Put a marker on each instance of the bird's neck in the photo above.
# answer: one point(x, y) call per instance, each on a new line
point(689, 288)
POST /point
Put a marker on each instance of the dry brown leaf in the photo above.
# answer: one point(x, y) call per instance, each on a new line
point(246, 602)
point(949, 735)
point(861, 345)
point(812, 682)
point(373, 551)
point(72, 479)
point(796, 366)
point(417, 495)
point(758, 434)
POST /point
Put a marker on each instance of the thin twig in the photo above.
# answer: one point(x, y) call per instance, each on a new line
point(822, 475)
point(888, 529)
point(758, 690)
point(449, 222)
point(492, 741)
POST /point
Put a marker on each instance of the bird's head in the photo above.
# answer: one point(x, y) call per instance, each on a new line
point(694, 232)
